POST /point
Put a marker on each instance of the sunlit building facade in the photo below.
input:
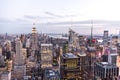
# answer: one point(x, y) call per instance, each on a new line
point(46, 55)
point(70, 67)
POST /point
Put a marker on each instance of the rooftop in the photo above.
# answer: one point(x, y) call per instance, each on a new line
point(70, 55)
point(106, 64)
point(46, 44)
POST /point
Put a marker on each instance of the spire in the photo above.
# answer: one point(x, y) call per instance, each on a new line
point(34, 29)
point(91, 33)
point(92, 30)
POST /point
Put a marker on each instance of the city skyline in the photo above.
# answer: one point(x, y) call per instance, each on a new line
point(57, 16)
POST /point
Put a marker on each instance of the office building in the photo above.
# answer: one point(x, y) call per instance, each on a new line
point(110, 55)
point(73, 41)
point(106, 71)
point(105, 36)
point(19, 72)
point(0, 51)
point(51, 75)
point(34, 41)
point(2, 62)
point(83, 63)
point(24, 53)
point(19, 58)
point(28, 43)
point(46, 55)
point(70, 67)
point(9, 65)
point(7, 45)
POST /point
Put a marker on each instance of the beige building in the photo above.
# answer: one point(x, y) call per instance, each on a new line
point(0, 51)
point(24, 53)
point(2, 62)
point(118, 63)
point(9, 65)
point(19, 58)
point(7, 45)
point(46, 55)
point(73, 42)
point(34, 40)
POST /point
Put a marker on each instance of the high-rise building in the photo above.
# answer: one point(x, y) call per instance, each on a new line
point(19, 72)
point(51, 75)
point(82, 57)
point(2, 62)
point(28, 43)
point(24, 53)
point(0, 51)
point(9, 65)
point(73, 41)
point(7, 45)
point(118, 63)
point(19, 67)
point(46, 55)
point(110, 55)
point(105, 71)
point(19, 59)
point(105, 36)
point(70, 67)
point(34, 41)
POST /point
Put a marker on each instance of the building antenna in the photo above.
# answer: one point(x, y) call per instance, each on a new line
point(71, 22)
point(91, 29)
point(91, 32)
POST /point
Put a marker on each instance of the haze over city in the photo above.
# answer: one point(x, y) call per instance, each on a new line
point(59, 40)
point(56, 16)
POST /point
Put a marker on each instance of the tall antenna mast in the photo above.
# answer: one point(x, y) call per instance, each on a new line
point(92, 30)
point(91, 33)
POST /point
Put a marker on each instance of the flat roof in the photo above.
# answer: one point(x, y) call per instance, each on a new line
point(70, 55)
point(106, 64)
point(46, 44)
point(81, 54)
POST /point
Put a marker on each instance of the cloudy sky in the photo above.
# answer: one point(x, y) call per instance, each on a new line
point(56, 16)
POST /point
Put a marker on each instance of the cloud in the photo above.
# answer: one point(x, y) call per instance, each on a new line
point(3, 20)
point(87, 23)
point(59, 16)
point(36, 17)
point(21, 20)
point(52, 14)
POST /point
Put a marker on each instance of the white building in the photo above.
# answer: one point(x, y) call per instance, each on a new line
point(28, 43)
point(5, 76)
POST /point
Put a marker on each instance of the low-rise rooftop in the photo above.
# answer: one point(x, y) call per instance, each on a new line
point(69, 55)
point(46, 44)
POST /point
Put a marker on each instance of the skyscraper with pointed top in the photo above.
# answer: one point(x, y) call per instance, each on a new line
point(34, 40)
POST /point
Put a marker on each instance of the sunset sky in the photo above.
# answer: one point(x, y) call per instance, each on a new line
point(56, 16)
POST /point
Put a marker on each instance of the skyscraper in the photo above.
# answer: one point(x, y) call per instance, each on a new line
point(34, 41)
point(28, 43)
point(73, 41)
point(19, 59)
point(105, 36)
point(46, 55)
point(19, 67)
